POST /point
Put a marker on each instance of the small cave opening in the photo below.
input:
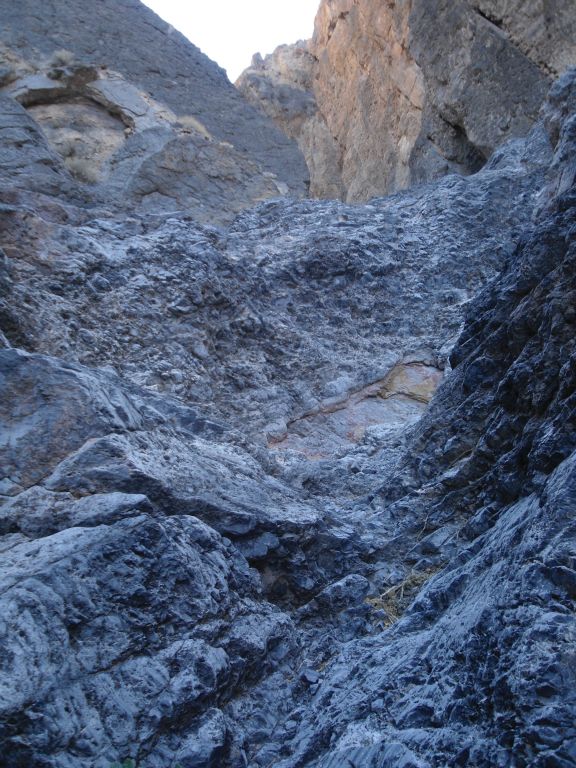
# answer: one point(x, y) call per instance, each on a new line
point(469, 156)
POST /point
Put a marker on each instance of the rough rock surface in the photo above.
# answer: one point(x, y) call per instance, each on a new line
point(243, 321)
point(234, 534)
point(543, 32)
point(486, 490)
point(282, 86)
point(388, 94)
point(138, 115)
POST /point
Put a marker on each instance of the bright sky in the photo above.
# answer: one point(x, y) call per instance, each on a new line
point(230, 31)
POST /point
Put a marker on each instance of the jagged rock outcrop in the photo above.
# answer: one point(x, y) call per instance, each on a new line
point(273, 319)
point(489, 475)
point(136, 114)
point(282, 86)
point(281, 491)
point(387, 95)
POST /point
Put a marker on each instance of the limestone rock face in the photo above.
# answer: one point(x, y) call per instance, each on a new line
point(496, 443)
point(397, 93)
point(271, 320)
point(138, 114)
point(282, 85)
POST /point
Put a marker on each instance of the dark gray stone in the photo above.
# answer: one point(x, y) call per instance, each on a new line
point(25, 154)
point(129, 38)
point(178, 590)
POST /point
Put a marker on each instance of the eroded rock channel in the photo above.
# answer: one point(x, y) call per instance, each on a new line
point(284, 482)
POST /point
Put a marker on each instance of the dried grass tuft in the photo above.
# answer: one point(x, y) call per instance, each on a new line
point(395, 600)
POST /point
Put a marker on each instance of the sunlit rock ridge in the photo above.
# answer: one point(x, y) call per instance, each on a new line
point(284, 482)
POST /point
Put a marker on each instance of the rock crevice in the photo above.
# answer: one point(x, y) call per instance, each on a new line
point(288, 484)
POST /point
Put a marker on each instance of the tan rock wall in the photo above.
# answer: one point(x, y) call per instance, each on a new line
point(282, 86)
point(369, 90)
point(402, 92)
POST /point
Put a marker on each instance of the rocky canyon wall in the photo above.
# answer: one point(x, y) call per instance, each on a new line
point(390, 94)
point(238, 526)
point(135, 113)
point(284, 482)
